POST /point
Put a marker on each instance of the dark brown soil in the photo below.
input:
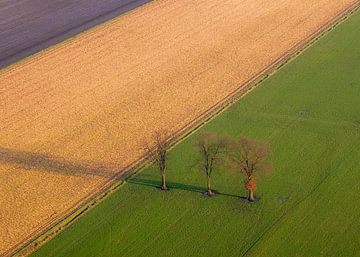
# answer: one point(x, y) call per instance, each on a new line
point(29, 26)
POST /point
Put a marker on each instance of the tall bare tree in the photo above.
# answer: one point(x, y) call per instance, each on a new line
point(211, 148)
point(250, 156)
point(158, 153)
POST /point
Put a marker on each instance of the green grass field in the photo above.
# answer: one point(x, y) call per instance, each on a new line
point(309, 112)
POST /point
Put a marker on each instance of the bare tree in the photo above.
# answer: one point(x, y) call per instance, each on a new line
point(250, 156)
point(158, 153)
point(211, 149)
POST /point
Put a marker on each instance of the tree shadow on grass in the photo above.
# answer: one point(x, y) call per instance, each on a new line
point(175, 185)
point(45, 162)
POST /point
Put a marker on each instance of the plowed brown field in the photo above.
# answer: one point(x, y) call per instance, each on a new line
point(75, 114)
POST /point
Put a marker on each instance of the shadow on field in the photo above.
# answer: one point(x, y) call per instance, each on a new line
point(174, 185)
point(44, 162)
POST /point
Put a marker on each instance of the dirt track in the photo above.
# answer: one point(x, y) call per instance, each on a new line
point(73, 115)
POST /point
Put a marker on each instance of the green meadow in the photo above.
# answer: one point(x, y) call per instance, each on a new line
point(309, 113)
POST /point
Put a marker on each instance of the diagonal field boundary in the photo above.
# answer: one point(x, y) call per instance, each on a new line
point(63, 220)
point(27, 51)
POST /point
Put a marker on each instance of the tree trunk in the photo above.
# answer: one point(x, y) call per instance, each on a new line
point(251, 196)
point(209, 192)
point(163, 182)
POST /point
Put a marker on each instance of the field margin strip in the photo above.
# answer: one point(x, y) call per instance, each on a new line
point(64, 220)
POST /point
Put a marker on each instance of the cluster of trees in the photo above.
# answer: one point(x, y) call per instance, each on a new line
point(245, 155)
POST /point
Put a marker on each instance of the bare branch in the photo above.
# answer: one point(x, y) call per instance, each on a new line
point(250, 156)
point(211, 148)
point(157, 151)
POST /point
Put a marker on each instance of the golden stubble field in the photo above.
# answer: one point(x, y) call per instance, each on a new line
point(74, 114)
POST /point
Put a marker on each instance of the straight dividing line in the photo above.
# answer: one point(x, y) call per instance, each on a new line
point(60, 222)
point(31, 50)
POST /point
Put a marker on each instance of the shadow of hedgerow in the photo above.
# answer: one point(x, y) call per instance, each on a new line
point(49, 163)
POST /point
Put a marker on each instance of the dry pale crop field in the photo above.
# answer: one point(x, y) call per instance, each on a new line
point(77, 113)
point(27, 26)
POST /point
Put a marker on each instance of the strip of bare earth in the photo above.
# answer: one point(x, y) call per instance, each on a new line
point(38, 31)
point(63, 220)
